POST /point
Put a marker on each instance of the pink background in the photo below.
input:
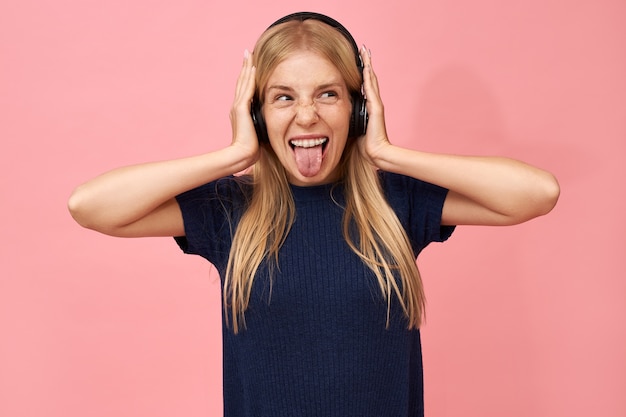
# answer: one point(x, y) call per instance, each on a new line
point(522, 321)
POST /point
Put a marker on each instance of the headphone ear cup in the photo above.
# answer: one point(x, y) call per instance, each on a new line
point(358, 119)
point(259, 122)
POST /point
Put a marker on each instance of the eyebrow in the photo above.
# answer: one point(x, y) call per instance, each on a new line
point(319, 87)
point(279, 87)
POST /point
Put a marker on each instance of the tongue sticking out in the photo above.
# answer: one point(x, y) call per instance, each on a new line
point(309, 160)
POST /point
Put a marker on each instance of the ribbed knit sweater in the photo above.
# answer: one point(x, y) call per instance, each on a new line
point(317, 345)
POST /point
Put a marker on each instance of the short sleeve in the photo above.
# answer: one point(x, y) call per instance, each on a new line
point(209, 216)
point(418, 205)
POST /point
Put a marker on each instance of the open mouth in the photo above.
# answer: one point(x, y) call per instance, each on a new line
point(308, 143)
point(309, 154)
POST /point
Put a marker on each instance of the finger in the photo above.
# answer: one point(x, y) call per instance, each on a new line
point(248, 83)
point(366, 57)
point(244, 75)
point(370, 85)
point(370, 82)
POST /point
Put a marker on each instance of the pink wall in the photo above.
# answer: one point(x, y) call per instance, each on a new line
point(523, 321)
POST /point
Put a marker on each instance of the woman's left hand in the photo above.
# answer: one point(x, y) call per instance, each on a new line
point(482, 190)
point(375, 141)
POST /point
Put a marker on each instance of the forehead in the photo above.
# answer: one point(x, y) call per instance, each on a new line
point(304, 70)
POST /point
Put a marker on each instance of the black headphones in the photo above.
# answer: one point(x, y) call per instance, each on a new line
point(358, 119)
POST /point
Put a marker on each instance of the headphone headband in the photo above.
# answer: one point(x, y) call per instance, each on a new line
point(359, 116)
point(302, 16)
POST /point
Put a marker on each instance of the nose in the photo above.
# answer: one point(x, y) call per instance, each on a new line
point(306, 113)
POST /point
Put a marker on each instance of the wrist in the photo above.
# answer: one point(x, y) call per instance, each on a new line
point(382, 156)
point(239, 157)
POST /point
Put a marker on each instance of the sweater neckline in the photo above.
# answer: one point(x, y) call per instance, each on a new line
point(316, 192)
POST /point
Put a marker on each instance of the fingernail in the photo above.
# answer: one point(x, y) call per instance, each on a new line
point(246, 54)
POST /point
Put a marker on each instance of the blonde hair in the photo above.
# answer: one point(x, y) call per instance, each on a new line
point(380, 240)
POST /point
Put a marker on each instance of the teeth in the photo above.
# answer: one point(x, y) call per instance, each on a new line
point(308, 143)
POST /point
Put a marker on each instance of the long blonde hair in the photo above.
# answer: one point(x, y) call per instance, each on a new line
point(380, 241)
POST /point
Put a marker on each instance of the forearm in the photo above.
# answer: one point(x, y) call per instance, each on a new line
point(125, 195)
point(510, 190)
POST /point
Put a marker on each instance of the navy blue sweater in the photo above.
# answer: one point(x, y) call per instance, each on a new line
point(318, 344)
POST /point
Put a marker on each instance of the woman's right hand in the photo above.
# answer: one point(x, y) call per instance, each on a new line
point(139, 200)
point(244, 135)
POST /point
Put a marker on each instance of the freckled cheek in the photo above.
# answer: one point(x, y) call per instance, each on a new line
point(338, 119)
point(276, 125)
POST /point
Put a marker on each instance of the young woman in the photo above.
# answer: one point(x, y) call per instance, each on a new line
point(316, 243)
